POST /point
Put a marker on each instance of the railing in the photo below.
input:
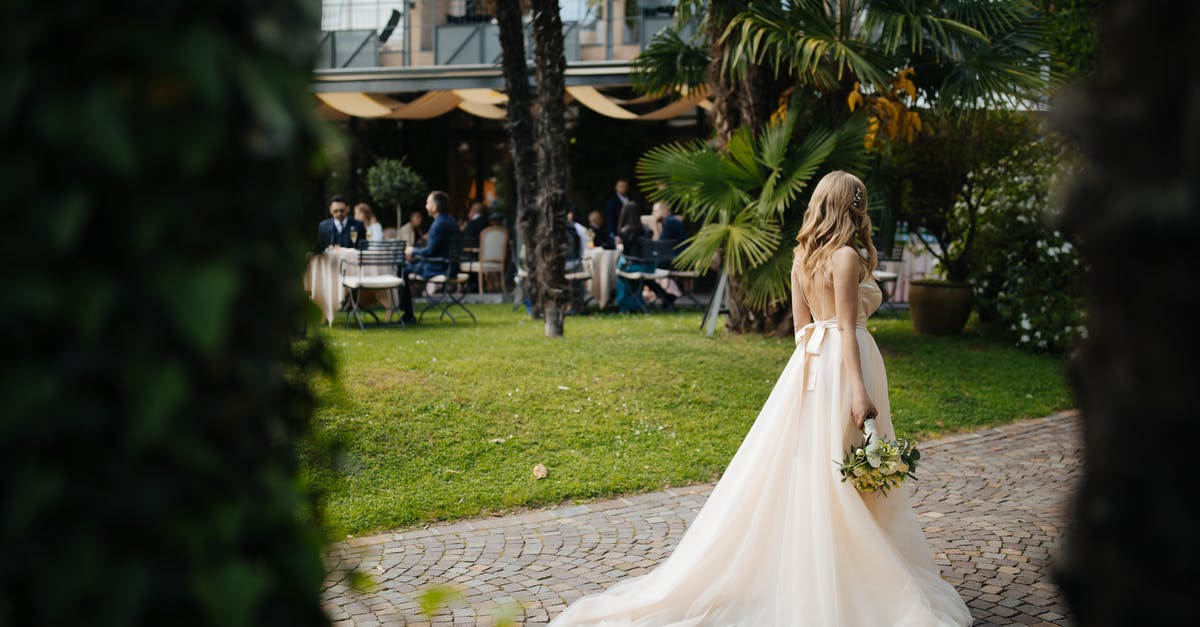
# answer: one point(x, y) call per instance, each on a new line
point(454, 32)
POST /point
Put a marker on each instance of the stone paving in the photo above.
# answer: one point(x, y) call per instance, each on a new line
point(993, 504)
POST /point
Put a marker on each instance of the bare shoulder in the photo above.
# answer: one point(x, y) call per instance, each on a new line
point(846, 262)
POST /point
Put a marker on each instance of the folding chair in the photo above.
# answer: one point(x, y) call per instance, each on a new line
point(437, 289)
point(654, 252)
point(390, 265)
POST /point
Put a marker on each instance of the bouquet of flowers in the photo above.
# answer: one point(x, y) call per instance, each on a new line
point(879, 465)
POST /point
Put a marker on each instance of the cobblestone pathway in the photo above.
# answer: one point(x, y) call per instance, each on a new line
point(993, 503)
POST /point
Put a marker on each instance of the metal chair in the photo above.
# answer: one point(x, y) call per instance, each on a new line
point(437, 289)
point(357, 281)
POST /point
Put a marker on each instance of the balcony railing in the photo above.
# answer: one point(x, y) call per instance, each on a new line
point(380, 33)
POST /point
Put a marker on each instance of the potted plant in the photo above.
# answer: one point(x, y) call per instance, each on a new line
point(392, 183)
point(942, 198)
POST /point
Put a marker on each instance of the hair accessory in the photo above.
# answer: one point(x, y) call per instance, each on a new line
point(857, 196)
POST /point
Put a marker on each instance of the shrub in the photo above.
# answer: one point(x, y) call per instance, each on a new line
point(393, 184)
point(1027, 279)
point(153, 395)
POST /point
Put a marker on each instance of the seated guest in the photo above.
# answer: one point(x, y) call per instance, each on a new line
point(475, 225)
point(633, 238)
point(413, 232)
point(363, 213)
point(669, 226)
point(443, 229)
point(336, 230)
point(601, 237)
point(581, 237)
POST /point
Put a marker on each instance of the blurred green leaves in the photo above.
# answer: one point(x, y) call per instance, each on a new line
point(156, 161)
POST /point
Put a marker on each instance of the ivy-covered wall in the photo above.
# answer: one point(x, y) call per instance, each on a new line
point(155, 160)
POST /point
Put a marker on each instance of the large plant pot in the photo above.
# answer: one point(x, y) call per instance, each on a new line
point(939, 307)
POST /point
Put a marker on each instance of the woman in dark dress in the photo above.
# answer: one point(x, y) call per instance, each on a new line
point(633, 238)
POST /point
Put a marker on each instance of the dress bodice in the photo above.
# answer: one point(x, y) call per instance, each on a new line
point(870, 297)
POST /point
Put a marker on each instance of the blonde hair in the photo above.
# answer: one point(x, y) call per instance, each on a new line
point(365, 209)
point(836, 217)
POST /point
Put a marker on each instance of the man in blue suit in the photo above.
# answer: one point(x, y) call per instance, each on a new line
point(437, 244)
point(336, 230)
point(672, 227)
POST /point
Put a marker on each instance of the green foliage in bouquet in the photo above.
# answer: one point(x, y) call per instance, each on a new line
point(880, 465)
point(153, 393)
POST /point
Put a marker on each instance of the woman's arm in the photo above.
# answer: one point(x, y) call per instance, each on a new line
point(846, 267)
point(801, 314)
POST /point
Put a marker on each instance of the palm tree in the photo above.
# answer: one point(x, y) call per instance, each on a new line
point(833, 59)
point(745, 199)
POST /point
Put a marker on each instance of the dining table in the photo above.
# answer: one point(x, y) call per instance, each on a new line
point(323, 281)
point(603, 283)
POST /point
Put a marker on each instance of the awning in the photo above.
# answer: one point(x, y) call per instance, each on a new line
point(483, 102)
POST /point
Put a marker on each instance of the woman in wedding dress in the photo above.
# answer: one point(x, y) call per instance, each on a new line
point(782, 540)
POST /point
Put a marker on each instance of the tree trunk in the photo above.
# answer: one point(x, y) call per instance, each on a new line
point(747, 100)
point(520, 134)
point(553, 243)
point(1130, 553)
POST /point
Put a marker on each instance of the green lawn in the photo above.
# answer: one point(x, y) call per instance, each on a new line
point(443, 421)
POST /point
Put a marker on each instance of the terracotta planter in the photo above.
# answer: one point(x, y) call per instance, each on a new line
point(939, 307)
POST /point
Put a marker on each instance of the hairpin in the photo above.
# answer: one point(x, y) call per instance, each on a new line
point(857, 196)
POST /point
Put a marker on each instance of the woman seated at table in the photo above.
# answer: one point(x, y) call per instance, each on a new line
point(412, 232)
point(633, 237)
point(363, 213)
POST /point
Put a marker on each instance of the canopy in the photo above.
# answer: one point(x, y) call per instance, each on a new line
point(484, 103)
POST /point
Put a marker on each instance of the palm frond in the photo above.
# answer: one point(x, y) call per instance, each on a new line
point(670, 63)
point(770, 283)
point(913, 24)
point(803, 39)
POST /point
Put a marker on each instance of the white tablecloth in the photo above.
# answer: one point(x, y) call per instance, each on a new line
point(604, 274)
point(324, 283)
point(916, 263)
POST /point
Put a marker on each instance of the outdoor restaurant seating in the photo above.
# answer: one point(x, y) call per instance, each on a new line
point(656, 254)
point(445, 291)
point(377, 269)
point(493, 256)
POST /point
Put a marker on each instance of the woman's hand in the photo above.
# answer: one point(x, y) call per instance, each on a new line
point(861, 408)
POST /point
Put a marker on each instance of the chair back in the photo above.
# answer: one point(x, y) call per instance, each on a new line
point(454, 254)
point(387, 244)
point(392, 258)
point(661, 252)
point(493, 242)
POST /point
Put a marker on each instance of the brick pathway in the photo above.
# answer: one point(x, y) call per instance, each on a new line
point(993, 502)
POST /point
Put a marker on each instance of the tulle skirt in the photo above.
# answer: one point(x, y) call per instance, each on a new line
point(782, 540)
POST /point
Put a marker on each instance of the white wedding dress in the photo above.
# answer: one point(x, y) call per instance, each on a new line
point(781, 540)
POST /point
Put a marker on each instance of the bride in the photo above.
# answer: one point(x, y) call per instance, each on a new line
point(781, 540)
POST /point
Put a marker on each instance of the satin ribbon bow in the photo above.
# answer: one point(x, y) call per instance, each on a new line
point(811, 336)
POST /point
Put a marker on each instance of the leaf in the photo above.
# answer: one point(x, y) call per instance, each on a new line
point(199, 301)
point(433, 598)
point(539, 471)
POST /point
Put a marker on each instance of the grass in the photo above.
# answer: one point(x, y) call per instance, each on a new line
point(445, 421)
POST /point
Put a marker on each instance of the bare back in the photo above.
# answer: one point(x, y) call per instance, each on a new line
point(815, 293)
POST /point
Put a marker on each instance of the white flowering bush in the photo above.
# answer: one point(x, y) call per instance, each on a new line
point(1027, 276)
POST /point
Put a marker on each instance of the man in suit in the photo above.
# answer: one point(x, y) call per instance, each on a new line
point(672, 226)
point(476, 223)
point(336, 230)
point(612, 207)
point(444, 229)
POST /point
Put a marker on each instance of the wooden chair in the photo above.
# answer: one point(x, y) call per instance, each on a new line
point(493, 256)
